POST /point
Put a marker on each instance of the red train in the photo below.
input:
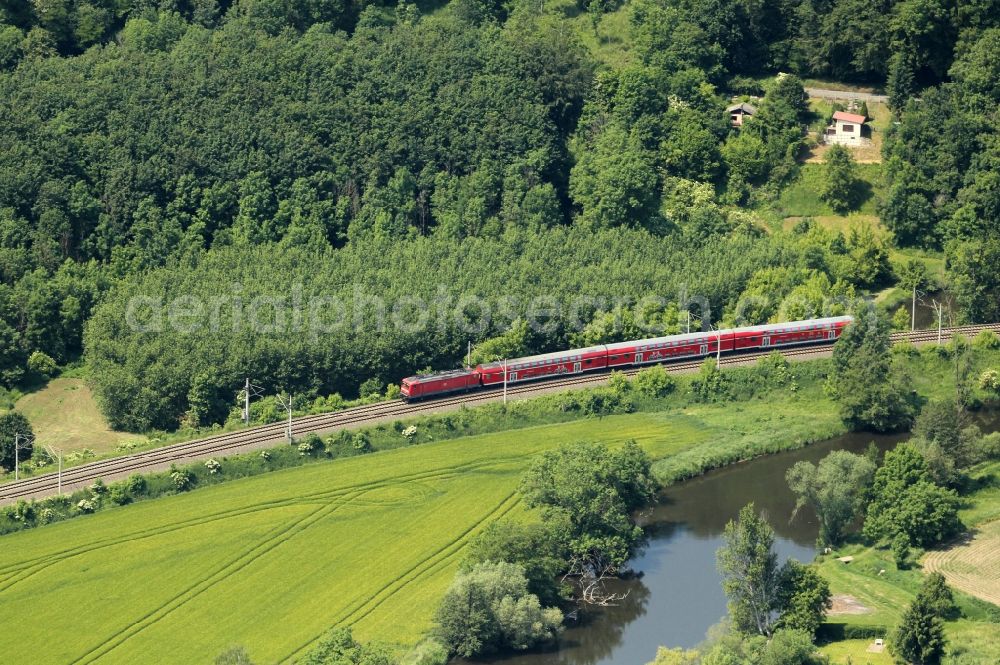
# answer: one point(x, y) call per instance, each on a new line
point(625, 354)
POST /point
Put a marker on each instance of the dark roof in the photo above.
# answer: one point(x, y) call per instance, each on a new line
point(433, 376)
point(749, 109)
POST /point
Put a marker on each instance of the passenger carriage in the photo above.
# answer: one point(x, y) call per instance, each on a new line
point(574, 361)
point(671, 347)
point(788, 334)
point(627, 354)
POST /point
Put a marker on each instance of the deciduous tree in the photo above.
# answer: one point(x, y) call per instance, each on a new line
point(836, 490)
point(871, 394)
point(14, 427)
point(751, 577)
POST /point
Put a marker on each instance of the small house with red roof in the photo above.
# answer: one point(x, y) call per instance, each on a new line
point(848, 129)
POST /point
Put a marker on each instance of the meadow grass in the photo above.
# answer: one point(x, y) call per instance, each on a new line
point(65, 414)
point(801, 198)
point(855, 652)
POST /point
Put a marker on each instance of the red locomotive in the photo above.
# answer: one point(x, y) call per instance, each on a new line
point(625, 354)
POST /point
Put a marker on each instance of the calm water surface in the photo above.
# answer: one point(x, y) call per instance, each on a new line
point(677, 596)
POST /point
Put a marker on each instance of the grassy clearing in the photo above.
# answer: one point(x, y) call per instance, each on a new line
point(889, 594)
point(856, 652)
point(609, 42)
point(841, 223)
point(801, 198)
point(64, 414)
point(841, 86)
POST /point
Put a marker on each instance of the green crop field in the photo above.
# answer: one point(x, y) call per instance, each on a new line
point(274, 561)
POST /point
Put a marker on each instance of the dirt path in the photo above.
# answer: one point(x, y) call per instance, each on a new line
point(971, 564)
point(843, 603)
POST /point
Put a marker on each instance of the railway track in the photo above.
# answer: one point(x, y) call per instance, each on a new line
point(262, 436)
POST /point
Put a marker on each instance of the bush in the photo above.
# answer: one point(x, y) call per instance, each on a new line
point(604, 402)
point(340, 648)
point(654, 381)
point(213, 466)
point(371, 388)
point(42, 364)
point(119, 494)
point(23, 511)
point(362, 442)
point(310, 445)
point(986, 340)
point(489, 608)
point(619, 383)
point(989, 381)
point(135, 484)
point(182, 479)
point(774, 369)
point(989, 446)
point(711, 384)
point(901, 320)
point(428, 652)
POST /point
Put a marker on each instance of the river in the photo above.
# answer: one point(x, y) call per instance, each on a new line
point(676, 596)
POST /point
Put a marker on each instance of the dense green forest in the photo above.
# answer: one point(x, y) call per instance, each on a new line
point(200, 148)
